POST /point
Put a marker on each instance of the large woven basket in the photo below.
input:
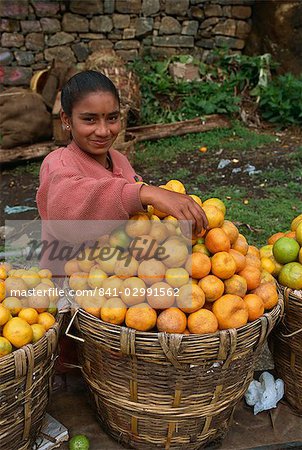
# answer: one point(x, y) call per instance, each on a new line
point(168, 391)
point(286, 346)
point(25, 381)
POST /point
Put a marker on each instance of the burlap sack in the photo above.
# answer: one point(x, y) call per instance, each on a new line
point(24, 118)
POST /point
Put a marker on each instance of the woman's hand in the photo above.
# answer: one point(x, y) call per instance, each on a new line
point(181, 206)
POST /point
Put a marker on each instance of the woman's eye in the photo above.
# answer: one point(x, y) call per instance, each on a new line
point(89, 119)
point(113, 118)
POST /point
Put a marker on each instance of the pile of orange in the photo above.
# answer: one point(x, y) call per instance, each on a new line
point(201, 285)
point(282, 256)
point(25, 318)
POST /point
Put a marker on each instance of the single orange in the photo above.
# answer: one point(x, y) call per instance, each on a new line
point(172, 320)
point(198, 265)
point(223, 265)
point(254, 305)
point(212, 287)
point(217, 240)
point(202, 321)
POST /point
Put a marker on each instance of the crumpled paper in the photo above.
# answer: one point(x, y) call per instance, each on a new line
point(265, 393)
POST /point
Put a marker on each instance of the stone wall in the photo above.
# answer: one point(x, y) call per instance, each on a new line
point(34, 32)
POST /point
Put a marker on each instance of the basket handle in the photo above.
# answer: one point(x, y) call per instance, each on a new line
point(291, 334)
point(72, 336)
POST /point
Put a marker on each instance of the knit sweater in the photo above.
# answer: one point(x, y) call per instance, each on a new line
point(74, 187)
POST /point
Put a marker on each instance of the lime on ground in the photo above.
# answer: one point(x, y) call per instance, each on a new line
point(79, 442)
point(286, 250)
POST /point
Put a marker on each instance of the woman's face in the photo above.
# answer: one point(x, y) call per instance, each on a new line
point(95, 123)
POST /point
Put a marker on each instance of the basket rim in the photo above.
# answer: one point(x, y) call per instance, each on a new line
point(288, 291)
point(277, 310)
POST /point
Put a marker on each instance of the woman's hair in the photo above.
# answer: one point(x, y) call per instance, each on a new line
point(84, 83)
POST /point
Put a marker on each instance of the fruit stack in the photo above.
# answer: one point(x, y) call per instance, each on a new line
point(199, 286)
point(282, 256)
point(28, 305)
point(284, 249)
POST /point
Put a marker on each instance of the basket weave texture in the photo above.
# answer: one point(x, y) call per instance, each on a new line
point(25, 381)
point(286, 346)
point(168, 391)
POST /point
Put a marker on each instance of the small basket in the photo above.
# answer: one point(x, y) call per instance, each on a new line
point(25, 383)
point(168, 391)
point(286, 346)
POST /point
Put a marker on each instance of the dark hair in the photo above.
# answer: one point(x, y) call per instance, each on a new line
point(84, 83)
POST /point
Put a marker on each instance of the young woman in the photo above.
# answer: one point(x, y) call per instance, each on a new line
point(88, 179)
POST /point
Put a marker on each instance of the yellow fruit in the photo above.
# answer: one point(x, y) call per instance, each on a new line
point(176, 186)
point(151, 271)
point(3, 273)
point(38, 332)
point(196, 199)
point(5, 347)
point(31, 279)
point(295, 222)
point(216, 202)
point(5, 315)
point(132, 291)
point(86, 260)
point(266, 251)
point(126, 267)
point(15, 286)
point(201, 248)
point(2, 290)
point(45, 273)
point(214, 215)
point(299, 233)
point(18, 332)
point(114, 311)
point(267, 264)
point(96, 277)
point(177, 277)
point(29, 314)
point(137, 225)
point(78, 281)
point(300, 256)
point(46, 319)
point(174, 252)
point(71, 267)
point(13, 304)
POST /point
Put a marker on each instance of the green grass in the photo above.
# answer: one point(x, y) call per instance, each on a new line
point(265, 205)
point(237, 138)
point(32, 168)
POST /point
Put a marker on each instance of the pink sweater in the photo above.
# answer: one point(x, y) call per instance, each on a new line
point(74, 187)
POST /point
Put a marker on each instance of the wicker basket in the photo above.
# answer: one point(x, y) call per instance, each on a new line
point(168, 391)
point(286, 346)
point(25, 381)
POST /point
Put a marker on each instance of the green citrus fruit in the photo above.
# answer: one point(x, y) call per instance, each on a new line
point(299, 233)
point(286, 250)
point(79, 442)
point(119, 238)
point(291, 275)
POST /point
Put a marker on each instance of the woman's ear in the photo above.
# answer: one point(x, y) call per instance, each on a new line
point(65, 120)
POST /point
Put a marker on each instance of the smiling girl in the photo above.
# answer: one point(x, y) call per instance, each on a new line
point(88, 179)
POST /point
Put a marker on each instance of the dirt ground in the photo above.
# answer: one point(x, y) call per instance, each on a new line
point(18, 187)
